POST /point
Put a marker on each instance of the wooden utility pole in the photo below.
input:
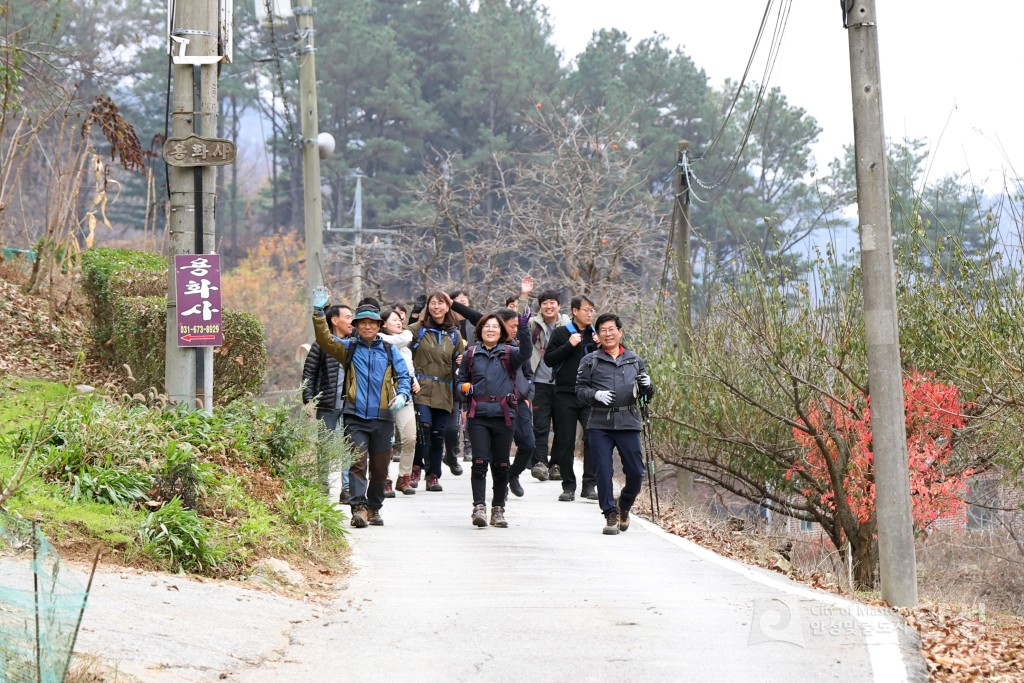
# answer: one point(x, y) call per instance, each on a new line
point(312, 211)
point(885, 376)
point(681, 246)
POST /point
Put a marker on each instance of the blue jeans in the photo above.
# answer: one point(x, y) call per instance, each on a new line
point(430, 426)
point(602, 441)
point(332, 420)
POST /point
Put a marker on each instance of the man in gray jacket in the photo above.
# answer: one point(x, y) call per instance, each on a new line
point(541, 326)
point(610, 380)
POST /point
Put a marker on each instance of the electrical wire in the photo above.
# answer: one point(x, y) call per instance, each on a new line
point(746, 72)
point(781, 22)
point(292, 138)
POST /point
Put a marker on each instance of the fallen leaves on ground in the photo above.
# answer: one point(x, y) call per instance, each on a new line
point(968, 647)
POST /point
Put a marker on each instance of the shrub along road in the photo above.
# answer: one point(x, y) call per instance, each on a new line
point(432, 598)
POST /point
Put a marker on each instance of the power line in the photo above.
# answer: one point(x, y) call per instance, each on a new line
point(782, 20)
point(292, 138)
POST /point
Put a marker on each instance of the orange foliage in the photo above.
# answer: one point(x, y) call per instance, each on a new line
point(934, 415)
point(270, 284)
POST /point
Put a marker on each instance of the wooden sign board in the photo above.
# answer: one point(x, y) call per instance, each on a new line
point(195, 150)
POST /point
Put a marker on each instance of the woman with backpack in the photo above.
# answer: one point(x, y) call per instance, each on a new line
point(487, 380)
point(393, 332)
point(436, 345)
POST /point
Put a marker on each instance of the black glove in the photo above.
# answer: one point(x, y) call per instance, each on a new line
point(419, 304)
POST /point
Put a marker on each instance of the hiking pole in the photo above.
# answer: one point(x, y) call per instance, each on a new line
point(648, 440)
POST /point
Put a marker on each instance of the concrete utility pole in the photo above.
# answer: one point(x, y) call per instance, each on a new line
point(195, 21)
point(357, 244)
point(312, 211)
point(684, 295)
point(885, 376)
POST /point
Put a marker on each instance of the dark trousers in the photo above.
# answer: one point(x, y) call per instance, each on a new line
point(628, 444)
point(523, 438)
point(567, 414)
point(455, 433)
point(430, 426)
point(543, 403)
point(371, 441)
point(492, 441)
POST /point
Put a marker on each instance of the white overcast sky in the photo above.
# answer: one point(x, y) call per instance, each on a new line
point(950, 71)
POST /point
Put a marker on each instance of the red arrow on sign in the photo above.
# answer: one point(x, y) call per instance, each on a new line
point(195, 337)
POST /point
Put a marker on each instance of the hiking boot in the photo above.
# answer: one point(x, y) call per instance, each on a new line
point(540, 472)
point(404, 486)
point(389, 491)
point(479, 515)
point(452, 461)
point(554, 474)
point(515, 487)
point(589, 492)
point(414, 478)
point(498, 517)
point(373, 517)
point(343, 496)
point(359, 516)
point(395, 457)
point(432, 483)
point(611, 522)
point(623, 516)
point(566, 496)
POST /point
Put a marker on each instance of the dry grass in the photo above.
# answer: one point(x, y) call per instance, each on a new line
point(86, 668)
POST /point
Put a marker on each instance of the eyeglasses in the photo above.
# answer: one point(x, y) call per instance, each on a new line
point(586, 310)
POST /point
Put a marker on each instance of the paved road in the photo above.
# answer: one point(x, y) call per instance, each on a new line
point(548, 599)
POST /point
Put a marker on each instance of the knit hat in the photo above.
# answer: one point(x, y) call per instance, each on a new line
point(367, 312)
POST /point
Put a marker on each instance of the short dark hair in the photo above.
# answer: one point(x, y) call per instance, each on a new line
point(503, 335)
point(455, 292)
point(368, 301)
point(547, 295)
point(578, 301)
point(399, 306)
point(506, 314)
point(346, 307)
point(607, 317)
point(330, 313)
point(514, 298)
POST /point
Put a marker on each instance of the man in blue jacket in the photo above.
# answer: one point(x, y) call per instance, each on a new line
point(377, 382)
point(610, 380)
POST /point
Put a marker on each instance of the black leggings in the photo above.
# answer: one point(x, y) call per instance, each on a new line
point(492, 441)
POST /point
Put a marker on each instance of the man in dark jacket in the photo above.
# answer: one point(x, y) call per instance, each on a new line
point(566, 347)
point(323, 379)
point(610, 380)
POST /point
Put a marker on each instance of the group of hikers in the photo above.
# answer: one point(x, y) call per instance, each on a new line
point(427, 380)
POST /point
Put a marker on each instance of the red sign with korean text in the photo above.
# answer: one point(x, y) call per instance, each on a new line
point(197, 284)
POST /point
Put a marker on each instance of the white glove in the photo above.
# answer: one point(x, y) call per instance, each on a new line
point(320, 296)
point(644, 379)
point(604, 396)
